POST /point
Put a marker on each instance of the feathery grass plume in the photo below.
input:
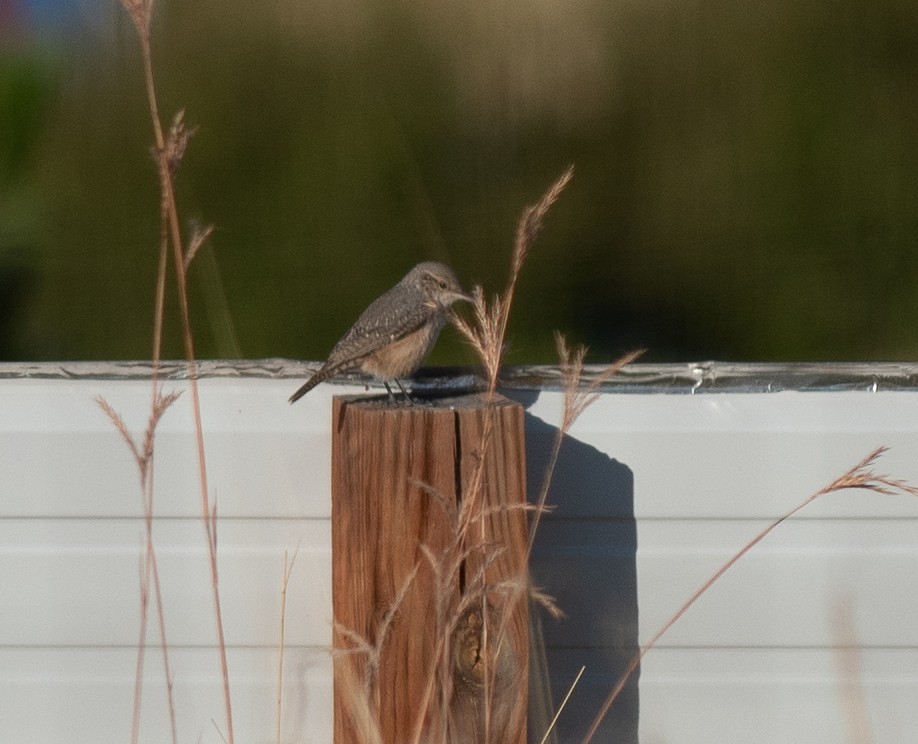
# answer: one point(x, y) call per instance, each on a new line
point(487, 336)
point(861, 476)
point(199, 236)
point(140, 12)
point(143, 453)
point(576, 400)
point(530, 225)
point(177, 141)
point(484, 335)
point(468, 665)
point(359, 660)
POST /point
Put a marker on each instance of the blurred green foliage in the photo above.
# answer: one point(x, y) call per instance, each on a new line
point(745, 182)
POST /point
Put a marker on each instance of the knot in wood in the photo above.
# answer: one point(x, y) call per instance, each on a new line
point(474, 649)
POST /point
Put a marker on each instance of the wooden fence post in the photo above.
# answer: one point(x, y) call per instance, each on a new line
point(431, 617)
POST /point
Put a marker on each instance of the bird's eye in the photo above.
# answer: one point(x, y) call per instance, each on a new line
point(442, 284)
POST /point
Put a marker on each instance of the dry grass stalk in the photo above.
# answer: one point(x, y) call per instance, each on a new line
point(149, 571)
point(285, 581)
point(577, 399)
point(360, 711)
point(142, 647)
point(457, 619)
point(519, 589)
point(850, 672)
point(488, 334)
point(570, 691)
point(860, 476)
point(372, 651)
point(168, 153)
point(487, 337)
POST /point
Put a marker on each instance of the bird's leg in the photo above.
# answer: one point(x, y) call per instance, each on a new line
point(404, 392)
point(389, 390)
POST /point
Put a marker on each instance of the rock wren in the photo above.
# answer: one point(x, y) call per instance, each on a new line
point(396, 332)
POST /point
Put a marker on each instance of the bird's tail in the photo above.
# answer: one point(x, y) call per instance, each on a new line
point(320, 376)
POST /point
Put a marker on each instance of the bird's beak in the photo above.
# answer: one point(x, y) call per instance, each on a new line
point(460, 297)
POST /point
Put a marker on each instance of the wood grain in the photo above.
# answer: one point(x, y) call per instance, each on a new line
point(413, 583)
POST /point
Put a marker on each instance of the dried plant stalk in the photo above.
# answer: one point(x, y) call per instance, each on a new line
point(570, 691)
point(168, 153)
point(285, 582)
point(860, 476)
point(488, 334)
point(850, 672)
point(149, 571)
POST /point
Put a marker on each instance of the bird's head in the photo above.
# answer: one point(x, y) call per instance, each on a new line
point(438, 283)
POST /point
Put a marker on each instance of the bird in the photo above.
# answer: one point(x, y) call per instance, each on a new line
point(394, 335)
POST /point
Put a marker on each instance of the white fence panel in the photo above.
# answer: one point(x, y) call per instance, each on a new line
point(654, 490)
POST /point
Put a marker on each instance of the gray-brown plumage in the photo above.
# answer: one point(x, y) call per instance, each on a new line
point(394, 335)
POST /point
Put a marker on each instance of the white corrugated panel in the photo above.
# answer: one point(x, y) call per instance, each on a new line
point(71, 532)
point(686, 481)
point(653, 492)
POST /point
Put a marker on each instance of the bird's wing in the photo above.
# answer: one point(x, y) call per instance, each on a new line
point(390, 317)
